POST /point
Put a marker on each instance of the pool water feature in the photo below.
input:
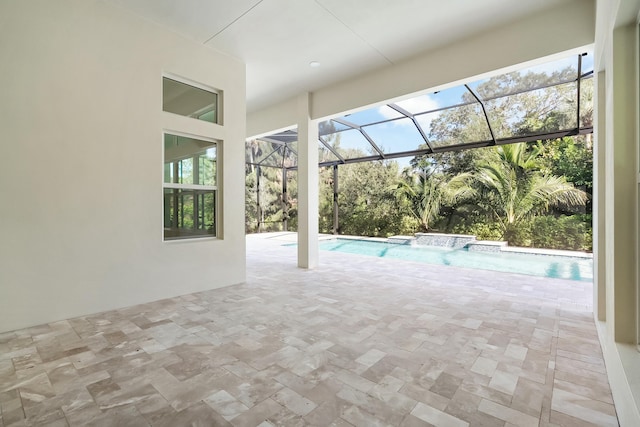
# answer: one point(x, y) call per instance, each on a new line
point(558, 267)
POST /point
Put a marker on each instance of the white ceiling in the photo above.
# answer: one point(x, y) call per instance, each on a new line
point(277, 39)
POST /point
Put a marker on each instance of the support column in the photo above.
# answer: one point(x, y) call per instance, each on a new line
point(285, 199)
point(621, 189)
point(335, 199)
point(307, 185)
point(599, 204)
point(196, 196)
point(258, 207)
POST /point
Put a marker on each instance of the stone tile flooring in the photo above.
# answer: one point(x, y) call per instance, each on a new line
point(358, 341)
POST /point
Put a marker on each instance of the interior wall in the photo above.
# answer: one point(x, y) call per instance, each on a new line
point(81, 219)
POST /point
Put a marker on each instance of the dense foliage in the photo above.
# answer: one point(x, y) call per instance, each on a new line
point(520, 193)
point(530, 194)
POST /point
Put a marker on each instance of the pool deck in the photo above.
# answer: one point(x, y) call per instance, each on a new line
point(500, 246)
point(357, 341)
point(420, 344)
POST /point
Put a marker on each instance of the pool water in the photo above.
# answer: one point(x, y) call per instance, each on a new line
point(559, 267)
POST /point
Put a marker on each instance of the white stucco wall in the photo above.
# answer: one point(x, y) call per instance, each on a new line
point(616, 205)
point(81, 152)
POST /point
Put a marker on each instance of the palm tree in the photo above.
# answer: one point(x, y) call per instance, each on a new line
point(514, 188)
point(426, 191)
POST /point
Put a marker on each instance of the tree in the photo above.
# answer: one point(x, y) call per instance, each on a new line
point(426, 191)
point(266, 162)
point(513, 108)
point(571, 157)
point(515, 189)
point(366, 207)
point(511, 191)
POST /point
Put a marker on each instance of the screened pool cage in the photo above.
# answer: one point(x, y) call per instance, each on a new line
point(541, 103)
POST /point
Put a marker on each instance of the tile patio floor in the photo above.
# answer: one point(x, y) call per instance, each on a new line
point(359, 341)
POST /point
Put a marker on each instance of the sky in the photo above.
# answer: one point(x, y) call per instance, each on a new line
point(394, 133)
point(400, 134)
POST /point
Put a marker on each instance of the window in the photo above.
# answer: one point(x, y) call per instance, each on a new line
point(190, 187)
point(190, 101)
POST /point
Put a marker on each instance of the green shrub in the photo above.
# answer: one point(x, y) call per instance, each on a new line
point(518, 234)
point(409, 225)
point(482, 230)
point(564, 232)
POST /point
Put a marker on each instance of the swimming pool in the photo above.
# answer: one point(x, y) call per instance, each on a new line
point(559, 267)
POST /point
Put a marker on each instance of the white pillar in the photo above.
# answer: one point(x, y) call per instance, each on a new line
point(621, 188)
point(599, 202)
point(307, 185)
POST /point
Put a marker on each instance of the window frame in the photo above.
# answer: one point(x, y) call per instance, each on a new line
point(218, 92)
point(193, 187)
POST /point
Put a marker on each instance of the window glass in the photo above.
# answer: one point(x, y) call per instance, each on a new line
point(186, 100)
point(189, 213)
point(190, 187)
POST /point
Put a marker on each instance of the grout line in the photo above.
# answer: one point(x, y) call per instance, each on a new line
point(232, 22)
point(545, 415)
point(354, 33)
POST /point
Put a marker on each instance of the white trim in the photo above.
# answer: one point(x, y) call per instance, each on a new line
point(189, 82)
point(186, 135)
point(637, 156)
point(621, 361)
point(190, 186)
point(183, 240)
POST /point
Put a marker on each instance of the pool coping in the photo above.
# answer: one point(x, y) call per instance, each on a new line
point(500, 245)
point(291, 237)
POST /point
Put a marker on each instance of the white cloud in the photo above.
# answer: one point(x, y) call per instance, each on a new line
point(419, 104)
point(412, 105)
